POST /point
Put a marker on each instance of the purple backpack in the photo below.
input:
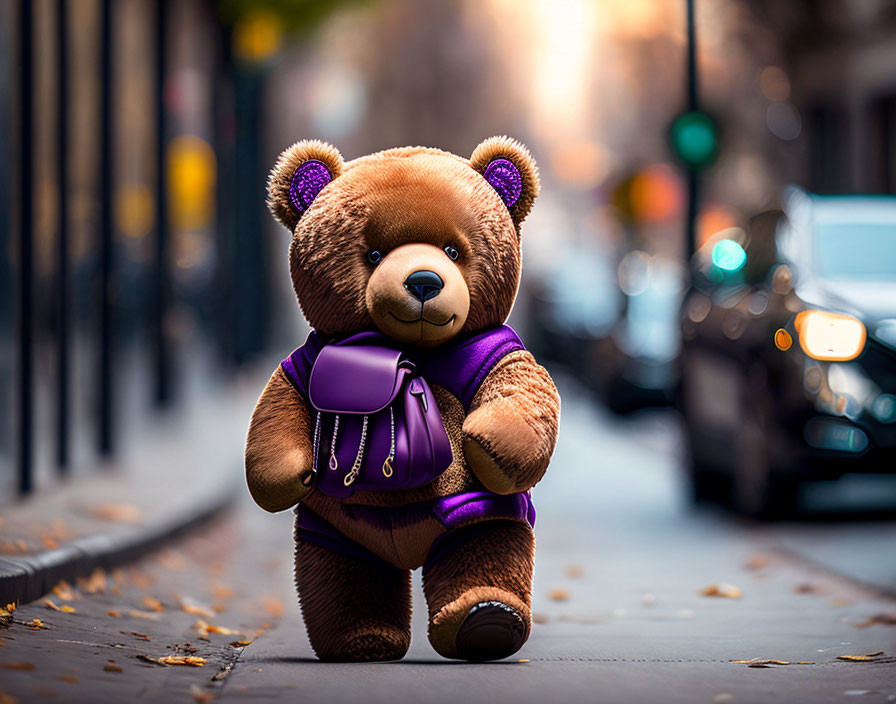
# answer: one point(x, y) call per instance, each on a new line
point(377, 426)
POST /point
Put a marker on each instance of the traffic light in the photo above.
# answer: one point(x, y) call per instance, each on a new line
point(694, 138)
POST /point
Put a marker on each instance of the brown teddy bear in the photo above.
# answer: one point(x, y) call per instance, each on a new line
point(412, 423)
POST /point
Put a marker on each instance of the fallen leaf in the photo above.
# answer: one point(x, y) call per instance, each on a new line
point(17, 665)
point(728, 591)
point(203, 628)
point(766, 662)
point(272, 606)
point(152, 603)
point(49, 542)
point(71, 679)
point(559, 594)
point(200, 695)
point(884, 619)
point(575, 571)
point(8, 698)
point(756, 562)
point(196, 609)
point(65, 607)
point(539, 618)
point(806, 589)
point(114, 614)
point(147, 615)
point(240, 643)
point(186, 647)
point(141, 579)
point(112, 667)
point(95, 583)
point(124, 513)
point(35, 624)
point(221, 591)
point(141, 636)
point(65, 592)
point(860, 658)
point(192, 660)
point(50, 605)
point(147, 658)
point(172, 560)
point(841, 601)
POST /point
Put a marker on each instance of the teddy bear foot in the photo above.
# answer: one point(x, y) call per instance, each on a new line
point(491, 631)
point(368, 646)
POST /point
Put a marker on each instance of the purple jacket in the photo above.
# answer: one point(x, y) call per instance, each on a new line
point(406, 446)
point(459, 366)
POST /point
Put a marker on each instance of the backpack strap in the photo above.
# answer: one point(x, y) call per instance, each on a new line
point(462, 367)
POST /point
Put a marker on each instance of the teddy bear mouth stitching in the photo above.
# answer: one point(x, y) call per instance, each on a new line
point(421, 319)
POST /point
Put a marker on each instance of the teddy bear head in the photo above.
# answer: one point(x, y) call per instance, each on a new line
point(418, 243)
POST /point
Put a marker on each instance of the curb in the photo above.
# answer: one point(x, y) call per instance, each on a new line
point(26, 578)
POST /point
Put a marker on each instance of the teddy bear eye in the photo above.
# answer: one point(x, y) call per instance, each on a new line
point(374, 256)
point(452, 253)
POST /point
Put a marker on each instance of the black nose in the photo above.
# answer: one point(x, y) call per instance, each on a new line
point(424, 285)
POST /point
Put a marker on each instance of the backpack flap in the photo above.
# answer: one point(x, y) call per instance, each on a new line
point(358, 379)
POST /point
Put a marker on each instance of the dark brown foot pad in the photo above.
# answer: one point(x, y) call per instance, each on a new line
point(490, 631)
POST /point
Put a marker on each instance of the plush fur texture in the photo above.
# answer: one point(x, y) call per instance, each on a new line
point(408, 205)
point(278, 447)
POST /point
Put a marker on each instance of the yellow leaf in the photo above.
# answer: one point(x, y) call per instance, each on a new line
point(860, 658)
point(559, 595)
point(728, 591)
point(192, 660)
point(152, 603)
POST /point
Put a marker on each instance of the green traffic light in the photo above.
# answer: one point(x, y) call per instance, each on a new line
point(695, 139)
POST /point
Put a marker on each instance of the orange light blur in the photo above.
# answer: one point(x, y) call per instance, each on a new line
point(783, 340)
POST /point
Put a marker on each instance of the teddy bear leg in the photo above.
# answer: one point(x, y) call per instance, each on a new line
point(355, 609)
point(478, 590)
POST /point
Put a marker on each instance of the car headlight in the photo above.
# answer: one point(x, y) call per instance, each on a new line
point(831, 337)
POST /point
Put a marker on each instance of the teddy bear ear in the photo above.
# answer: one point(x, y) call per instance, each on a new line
point(510, 169)
point(298, 176)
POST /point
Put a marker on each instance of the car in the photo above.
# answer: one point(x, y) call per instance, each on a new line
point(788, 362)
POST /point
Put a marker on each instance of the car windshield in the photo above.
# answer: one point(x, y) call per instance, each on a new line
point(856, 250)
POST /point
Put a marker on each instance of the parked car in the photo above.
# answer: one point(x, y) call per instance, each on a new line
point(789, 351)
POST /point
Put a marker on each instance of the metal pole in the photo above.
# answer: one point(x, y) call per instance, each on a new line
point(693, 106)
point(106, 234)
point(63, 353)
point(26, 264)
point(160, 277)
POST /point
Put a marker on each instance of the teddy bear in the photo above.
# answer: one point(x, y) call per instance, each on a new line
point(409, 428)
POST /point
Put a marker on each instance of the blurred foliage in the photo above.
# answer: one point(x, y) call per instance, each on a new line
point(295, 17)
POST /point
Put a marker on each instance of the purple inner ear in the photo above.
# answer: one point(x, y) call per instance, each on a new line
point(506, 179)
point(308, 180)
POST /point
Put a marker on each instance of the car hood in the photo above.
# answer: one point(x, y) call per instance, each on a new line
point(870, 302)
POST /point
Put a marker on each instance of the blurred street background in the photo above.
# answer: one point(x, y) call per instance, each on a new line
point(709, 273)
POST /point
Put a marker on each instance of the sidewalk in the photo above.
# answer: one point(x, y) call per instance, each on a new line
point(620, 613)
point(178, 471)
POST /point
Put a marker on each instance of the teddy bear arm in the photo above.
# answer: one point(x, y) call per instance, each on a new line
point(278, 446)
point(511, 429)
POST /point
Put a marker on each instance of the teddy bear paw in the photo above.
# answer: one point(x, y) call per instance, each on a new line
point(491, 631)
point(380, 645)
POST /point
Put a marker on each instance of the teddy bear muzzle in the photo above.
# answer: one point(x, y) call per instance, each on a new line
point(418, 295)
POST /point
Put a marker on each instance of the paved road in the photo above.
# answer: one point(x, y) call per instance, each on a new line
point(620, 561)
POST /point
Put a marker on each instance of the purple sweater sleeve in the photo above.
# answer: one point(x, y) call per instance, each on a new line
point(297, 366)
